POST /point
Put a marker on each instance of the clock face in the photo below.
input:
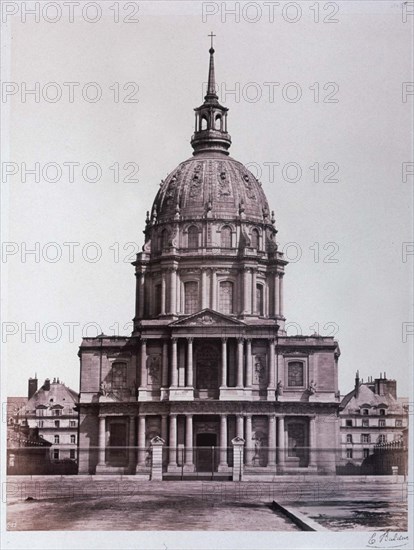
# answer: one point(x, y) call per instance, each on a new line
point(295, 374)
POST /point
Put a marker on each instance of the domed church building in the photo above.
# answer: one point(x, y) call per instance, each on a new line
point(209, 359)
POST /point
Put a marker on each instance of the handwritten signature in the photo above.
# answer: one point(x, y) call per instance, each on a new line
point(387, 539)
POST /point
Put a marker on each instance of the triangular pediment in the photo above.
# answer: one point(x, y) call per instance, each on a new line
point(207, 318)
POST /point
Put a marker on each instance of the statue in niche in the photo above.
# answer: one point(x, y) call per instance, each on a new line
point(105, 388)
point(260, 369)
point(279, 389)
point(259, 441)
point(312, 387)
point(154, 368)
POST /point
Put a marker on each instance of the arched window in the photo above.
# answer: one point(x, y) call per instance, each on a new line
point(163, 240)
point(190, 297)
point(226, 237)
point(217, 125)
point(204, 123)
point(295, 374)
point(192, 237)
point(255, 239)
point(259, 299)
point(226, 297)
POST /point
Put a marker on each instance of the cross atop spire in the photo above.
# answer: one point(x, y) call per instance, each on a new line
point(211, 35)
point(211, 88)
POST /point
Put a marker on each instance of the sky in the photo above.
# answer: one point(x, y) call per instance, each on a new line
point(317, 112)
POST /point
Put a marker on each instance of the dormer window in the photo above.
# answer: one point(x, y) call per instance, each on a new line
point(382, 412)
point(365, 411)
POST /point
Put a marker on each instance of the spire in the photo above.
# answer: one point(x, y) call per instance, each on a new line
point(211, 118)
point(211, 87)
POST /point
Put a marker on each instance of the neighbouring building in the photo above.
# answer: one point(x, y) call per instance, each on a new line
point(51, 409)
point(370, 415)
point(209, 358)
point(27, 452)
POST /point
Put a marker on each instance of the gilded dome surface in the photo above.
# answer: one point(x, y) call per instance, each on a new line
point(212, 185)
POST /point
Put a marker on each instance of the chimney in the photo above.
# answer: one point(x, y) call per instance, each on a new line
point(46, 385)
point(32, 387)
point(357, 383)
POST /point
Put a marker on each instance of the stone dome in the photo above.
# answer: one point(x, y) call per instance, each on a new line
point(211, 185)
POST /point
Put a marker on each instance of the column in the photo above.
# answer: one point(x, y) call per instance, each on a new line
point(281, 441)
point(174, 370)
point(246, 308)
point(189, 440)
point(190, 362)
point(223, 441)
point(173, 441)
point(312, 442)
point(131, 443)
point(272, 441)
point(276, 294)
point(239, 425)
point(281, 294)
point(213, 290)
point(224, 362)
point(173, 291)
point(272, 377)
point(143, 363)
point(203, 288)
point(178, 294)
point(163, 293)
point(249, 363)
point(164, 383)
point(239, 362)
point(141, 440)
point(138, 277)
point(102, 442)
point(141, 295)
point(254, 296)
point(249, 441)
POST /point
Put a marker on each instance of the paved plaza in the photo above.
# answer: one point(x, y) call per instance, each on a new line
point(125, 503)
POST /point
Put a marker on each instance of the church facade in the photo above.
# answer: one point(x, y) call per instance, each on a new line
point(209, 359)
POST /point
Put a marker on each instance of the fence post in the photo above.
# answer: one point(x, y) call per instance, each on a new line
point(238, 458)
point(157, 444)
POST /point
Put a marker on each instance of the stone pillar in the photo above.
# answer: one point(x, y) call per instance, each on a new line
point(246, 305)
point(174, 370)
point(178, 294)
point(141, 294)
point(163, 293)
point(190, 362)
point(272, 374)
point(189, 442)
point(157, 444)
point(223, 442)
point(138, 277)
point(164, 383)
point(141, 440)
point(281, 442)
point(172, 464)
point(249, 440)
point(254, 295)
point(240, 425)
point(131, 444)
point(312, 442)
point(281, 294)
point(271, 460)
point(173, 291)
point(249, 363)
point(213, 290)
point(276, 294)
point(164, 419)
point(224, 362)
point(240, 363)
point(143, 363)
point(203, 288)
point(102, 440)
point(238, 467)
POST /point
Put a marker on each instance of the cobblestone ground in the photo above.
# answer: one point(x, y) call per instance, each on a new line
point(109, 503)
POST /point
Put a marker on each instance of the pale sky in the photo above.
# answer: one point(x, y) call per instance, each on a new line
point(365, 297)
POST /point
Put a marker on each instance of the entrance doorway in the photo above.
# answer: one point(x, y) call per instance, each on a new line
point(206, 453)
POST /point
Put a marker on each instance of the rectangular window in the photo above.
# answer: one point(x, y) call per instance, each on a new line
point(349, 453)
point(72, 423)
point(40, 423)
point(365, 438)
point(57, 423)
point(349, 438)
point(382, 438)
point(348, 423)
point(73, 439)
point(72, 454)
point(56, 439)
point(56, 412)
point(398, 423)
point(190, 297)
point(365, 422)
point(381, 423)
point(226, 297)
point(366, 453)
point(56, 454)
point(119, 376)
point(295, 374)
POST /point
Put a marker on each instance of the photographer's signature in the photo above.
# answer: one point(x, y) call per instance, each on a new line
point(387, 539)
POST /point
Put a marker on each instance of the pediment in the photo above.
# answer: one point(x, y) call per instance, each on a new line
point(207, 318)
